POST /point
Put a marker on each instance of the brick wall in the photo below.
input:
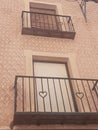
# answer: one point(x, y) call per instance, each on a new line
point(13, 44)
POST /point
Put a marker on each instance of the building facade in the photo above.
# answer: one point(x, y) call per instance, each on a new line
point(56, 43)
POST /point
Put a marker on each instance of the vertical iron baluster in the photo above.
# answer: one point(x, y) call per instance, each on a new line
point(61, 29)
point(68, 21)
point(62, 95)
point(23, 93)
point(27, 18)
point(52, 22)
point(86, 95)
point(49, 94)
point(48, 22)
point(29, 14)
point(35, 20)
point(70, 25)
point(56, 26)
point(68, 95)
point(43, 98)
point(73, 95)
point(39, 21)
point(15, 105)
point(92, 95)
point(64, 24)
point(30, 94)
point(73, 30)
point(80, 99)
point(43, 21)
point(22, 19)
point(58, 23)
point(36, 95)
point(55, 96)
point(77, 86)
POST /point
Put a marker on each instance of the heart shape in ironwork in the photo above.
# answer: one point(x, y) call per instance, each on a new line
point(43, 94)
point(80, 95)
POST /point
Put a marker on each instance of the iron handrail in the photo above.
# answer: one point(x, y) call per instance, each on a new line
point(26, 76)
point(45, 14)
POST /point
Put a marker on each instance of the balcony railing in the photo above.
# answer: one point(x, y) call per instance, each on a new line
point(52, 100)
point(48, 25)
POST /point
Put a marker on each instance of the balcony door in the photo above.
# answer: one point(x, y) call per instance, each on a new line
point(52, 94)
point(42, 20)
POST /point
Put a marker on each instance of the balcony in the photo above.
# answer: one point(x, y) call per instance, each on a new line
point(51, 100)
point(47, 25)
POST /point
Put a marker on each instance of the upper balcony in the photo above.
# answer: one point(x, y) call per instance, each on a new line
point(52, 100)
point(48, 25)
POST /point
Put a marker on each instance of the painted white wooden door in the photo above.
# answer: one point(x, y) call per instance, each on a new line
point(52, 94)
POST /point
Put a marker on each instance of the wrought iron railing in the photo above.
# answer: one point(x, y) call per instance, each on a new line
point(47, 24)
point(52, 94)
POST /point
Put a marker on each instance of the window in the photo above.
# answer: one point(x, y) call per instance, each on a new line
point(44, 18)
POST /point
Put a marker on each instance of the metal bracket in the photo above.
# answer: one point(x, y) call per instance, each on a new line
point(83, 8)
